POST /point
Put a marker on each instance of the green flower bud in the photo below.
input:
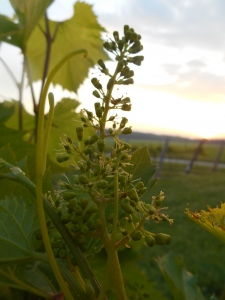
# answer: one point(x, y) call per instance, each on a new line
point(96, 83)
point(101, 64)
point(90, 115)
point(133, 37)
point(83, 179)
point(127, 208)
point(139, 185)
point(69, 195)
point(110, 83)
point(75, 228)
point(129, 74)
point(137, 60)
point(93, 139)
point(78, 210)
point(110, 218)
point(85, 125)
point(127, 36)
point(95, 225)
point(75, 219)
point(126, 100)
point(66, 218)
point(80, 133)
point(107, 46)
point(132, 194)
point(102, 184)
point(72, 204)
point(62, 158)
point(111, 118)
point(124, 71)
point(125, 28)
point(136, 49)
point(101, 145)
point(56, 252)
point(76, 145)
point(150, 241)
point(123, 122)
point(63, 254)
point(116, 35)
point(88, 151)
point(128, 81)
point(92, 208)
point(123, 180)
point(96, 94)
point(120, 45)
point(110, 130)
point(126, 146)
point(84, 229)
point(162, 239)
point(127, 130)
point(84, 202)
point(75, 178)
point(136, 235)
point(126, 107)
point(99, 112)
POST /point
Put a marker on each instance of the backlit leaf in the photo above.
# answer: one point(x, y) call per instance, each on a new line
point(212, 220)
point(81, 31)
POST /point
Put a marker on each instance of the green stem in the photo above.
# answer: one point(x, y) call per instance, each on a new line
point(113, 262)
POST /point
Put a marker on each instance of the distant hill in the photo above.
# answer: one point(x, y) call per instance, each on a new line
point(141, 136)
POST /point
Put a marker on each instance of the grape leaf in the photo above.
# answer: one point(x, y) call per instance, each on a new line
point(141, 165)
point(212, 220)
point(28, 13)
point(7, 109)
point(18, 220)
point(182, 284)
point(80, 31)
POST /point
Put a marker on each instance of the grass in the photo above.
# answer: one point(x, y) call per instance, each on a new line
point(202, 253)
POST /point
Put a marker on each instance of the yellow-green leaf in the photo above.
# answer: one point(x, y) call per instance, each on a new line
point(81, 31)
point(212, 220)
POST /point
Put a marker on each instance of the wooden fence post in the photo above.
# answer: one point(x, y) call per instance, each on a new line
point(197, 151)
point(220, 151)
point(162, 156)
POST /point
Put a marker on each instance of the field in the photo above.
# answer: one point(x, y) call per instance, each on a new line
point(202, 253)
point(178, 149)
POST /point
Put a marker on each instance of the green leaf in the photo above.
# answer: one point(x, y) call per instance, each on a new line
point(65, 122)
point(29, 13)
point(13, 120)
point(7, 109)
point(19, 147)
point(10, 32)
point(141, 165)
point(81, 31)
point(18, 221)
point(182, 284)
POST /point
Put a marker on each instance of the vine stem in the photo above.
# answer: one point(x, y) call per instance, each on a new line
point(113, 262)
point(40, 170)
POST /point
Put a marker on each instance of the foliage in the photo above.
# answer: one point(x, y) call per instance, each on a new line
point(102, 199)
point(182, 283)
point(212, 220)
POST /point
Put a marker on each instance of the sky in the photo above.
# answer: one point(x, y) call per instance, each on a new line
point(180, 87)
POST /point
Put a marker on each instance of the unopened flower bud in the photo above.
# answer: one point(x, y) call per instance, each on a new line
point(96, 83)
point(127, 130)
